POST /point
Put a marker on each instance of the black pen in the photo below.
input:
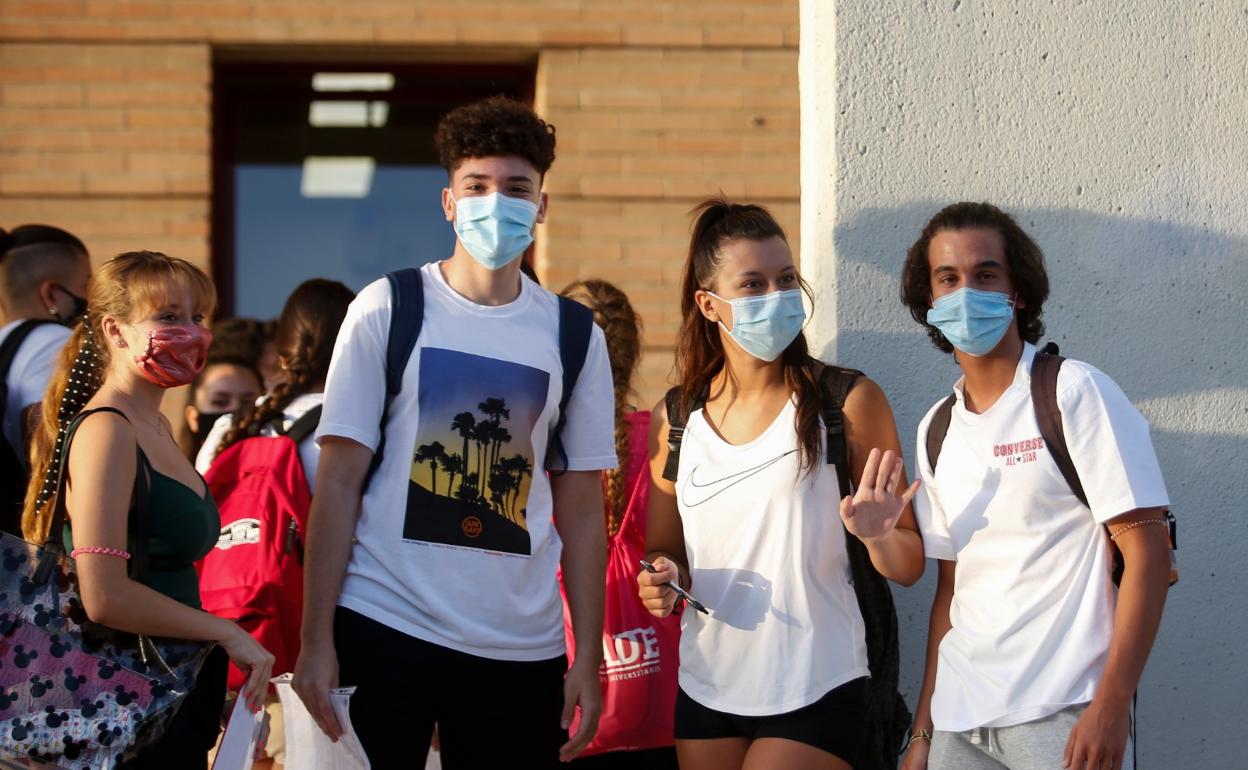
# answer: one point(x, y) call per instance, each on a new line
point(682, 593)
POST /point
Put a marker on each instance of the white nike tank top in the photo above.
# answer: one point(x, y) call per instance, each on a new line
point(766, 551)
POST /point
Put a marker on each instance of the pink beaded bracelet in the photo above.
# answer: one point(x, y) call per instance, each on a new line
point(100, 550)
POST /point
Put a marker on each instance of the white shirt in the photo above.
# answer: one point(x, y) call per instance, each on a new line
point(28, 379)
point(455, 543)
point(309, 450)
point(1033, 603)
point(766, 551)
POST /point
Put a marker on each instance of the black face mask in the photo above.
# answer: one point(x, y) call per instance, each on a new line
point(80, 308)
point(206, 421)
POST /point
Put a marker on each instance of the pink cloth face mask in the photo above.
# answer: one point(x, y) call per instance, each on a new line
point(175, 355)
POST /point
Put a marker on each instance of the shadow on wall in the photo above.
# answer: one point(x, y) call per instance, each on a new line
point(1162, 308)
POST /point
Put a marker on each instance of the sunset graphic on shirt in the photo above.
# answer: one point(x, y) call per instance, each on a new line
point(472, 461)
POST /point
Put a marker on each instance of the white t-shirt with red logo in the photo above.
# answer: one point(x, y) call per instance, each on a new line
point(1033, 605)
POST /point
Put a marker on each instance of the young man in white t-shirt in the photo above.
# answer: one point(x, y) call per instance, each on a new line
point(439, 602)
point(43, 285)
point(1033, 655)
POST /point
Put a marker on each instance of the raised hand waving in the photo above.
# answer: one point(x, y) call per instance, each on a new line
point(872, 512)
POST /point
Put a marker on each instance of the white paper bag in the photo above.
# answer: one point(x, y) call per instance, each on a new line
point(307, 748)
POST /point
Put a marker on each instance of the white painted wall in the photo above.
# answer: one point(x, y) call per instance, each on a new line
point(1115, 133)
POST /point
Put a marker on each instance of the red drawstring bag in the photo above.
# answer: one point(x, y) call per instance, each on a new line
point(640, 651)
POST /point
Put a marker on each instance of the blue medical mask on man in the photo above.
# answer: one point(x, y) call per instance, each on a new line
point(765, 325)
point(495, 228)
point(973, 321)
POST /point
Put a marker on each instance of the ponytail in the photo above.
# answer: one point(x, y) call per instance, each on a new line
point(76, 379)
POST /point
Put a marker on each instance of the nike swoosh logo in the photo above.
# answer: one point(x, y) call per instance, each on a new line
point(719, 486)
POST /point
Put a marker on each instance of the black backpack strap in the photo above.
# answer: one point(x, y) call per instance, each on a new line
point(677, 416)
point(1044, 371)
point(937, 429)
point(576, 327)
point(140, 511)
point(305, 425)
point(887, 717)
point(407, 315)
point(835, 382)
point(8, 351)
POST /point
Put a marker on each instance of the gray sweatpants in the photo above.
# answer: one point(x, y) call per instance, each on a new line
point(1037, 745)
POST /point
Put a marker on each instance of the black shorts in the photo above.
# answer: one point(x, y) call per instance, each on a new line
point(834, 723)
point(490, 713)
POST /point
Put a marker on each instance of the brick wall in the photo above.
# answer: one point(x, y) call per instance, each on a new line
point(644, 134)
point(105, 117)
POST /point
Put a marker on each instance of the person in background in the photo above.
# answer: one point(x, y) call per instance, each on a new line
point(1033, 656)
point(305, 336)
point(304, 341)
point(43, 283)
point(252, 341)
point(626, 490)
point(145, 332)
point(227, 384)
point(777, 676)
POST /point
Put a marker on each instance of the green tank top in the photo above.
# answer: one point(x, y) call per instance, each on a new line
point(184, 527)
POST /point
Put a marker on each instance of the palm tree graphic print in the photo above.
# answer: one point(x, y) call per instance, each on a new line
point(472, 463)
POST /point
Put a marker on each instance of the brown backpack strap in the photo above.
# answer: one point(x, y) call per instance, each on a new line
point(936, 430)
point(1044, 371)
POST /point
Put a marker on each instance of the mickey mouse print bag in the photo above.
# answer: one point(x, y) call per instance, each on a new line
point(75, 694)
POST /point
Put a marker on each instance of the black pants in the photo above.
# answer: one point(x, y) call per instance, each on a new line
point(193, 731)
point(490, 713)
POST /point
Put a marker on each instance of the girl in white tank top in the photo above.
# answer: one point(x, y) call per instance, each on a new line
point(752, 526)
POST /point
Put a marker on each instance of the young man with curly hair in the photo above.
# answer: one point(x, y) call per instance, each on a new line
point(1033, 655)
point(439, 601)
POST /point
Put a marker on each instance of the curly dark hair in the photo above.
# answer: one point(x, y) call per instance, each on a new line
point(492, 127)
point(1023, 257)
point(621, 326)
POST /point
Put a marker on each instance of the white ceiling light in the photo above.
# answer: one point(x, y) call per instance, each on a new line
point(378, 113)
point(349, 114)
point(334, 114)
point(337, 177)
point(353, 81)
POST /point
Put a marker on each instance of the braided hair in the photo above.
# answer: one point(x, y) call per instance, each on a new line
point(123, 287)
point(622, 327)
point(305, 337)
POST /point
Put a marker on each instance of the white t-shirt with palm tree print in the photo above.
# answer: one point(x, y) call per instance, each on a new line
point(455, 542)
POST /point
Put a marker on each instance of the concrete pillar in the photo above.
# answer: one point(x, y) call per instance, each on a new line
point(1115, 136)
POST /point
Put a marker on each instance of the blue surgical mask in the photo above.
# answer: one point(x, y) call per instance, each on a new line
point(973, 321)
point(765, 325)
point(495, 228)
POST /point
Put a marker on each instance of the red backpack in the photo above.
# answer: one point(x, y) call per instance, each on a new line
point(254, 575)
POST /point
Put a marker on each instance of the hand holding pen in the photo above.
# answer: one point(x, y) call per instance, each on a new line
point(659, 588)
